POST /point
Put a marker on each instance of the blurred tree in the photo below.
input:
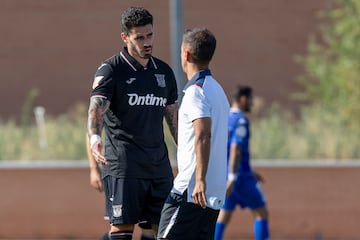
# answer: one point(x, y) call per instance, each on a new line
point(332, 79)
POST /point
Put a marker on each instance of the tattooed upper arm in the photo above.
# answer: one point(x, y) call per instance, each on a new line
point(171, 116)
point(97, 108)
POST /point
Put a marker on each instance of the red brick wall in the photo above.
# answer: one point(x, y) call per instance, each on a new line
point(56, 46)
point(304, 202)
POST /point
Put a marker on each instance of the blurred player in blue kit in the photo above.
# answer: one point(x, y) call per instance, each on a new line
point(243, 186)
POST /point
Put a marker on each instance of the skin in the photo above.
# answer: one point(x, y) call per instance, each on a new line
point(139, 44)
point(244, 104)
point(95, 173)
point(202, 129)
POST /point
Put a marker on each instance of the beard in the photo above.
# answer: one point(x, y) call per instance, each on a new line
point(144, 53)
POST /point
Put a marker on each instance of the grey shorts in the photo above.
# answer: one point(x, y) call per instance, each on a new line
point(184, 220)
point(131, 200)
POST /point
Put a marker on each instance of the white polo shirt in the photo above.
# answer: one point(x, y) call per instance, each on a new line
point(203, 97)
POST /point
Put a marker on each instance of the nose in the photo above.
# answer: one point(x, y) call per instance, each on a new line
point(148, 41)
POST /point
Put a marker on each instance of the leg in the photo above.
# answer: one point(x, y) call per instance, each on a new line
point(121, 231)
point(253, 198)
point(148, 231)
point(207, 223)
point(261, 225)
point(159, 191)
point(147, 234)
point(124, 200)
point(169, 214)
point(225, 214)
point(223, 220)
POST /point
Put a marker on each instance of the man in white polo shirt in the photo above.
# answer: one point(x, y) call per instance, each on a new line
point(192, 207)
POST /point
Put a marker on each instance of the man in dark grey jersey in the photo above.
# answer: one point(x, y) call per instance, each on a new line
point(132, 92)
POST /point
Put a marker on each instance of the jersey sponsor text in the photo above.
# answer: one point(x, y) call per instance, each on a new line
point(148, 100)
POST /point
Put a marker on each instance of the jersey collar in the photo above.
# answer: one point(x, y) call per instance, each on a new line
point(133, 63)
point(198, 78)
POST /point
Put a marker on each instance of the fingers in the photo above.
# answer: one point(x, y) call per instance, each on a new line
point(96, 185)
point(200, 199)
point(99, 157)
point(100, 186)
point(95, 182)
point(96, 152)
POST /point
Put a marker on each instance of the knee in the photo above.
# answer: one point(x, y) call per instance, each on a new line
point(261, 213)
point(121, 232)
point(121, 235)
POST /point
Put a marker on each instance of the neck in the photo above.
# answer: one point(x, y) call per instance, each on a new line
point(192, 69)
point(142, 61)
point(237, 106)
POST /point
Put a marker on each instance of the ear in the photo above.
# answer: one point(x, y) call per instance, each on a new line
point(124, 37)
point(187, 55)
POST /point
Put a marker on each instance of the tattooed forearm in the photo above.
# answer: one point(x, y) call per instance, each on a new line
point(97, 108)
point(171, 116)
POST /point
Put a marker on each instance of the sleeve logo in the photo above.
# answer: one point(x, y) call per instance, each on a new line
point(97, 79)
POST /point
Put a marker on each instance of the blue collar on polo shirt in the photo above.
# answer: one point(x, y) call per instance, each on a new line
point(198, 79)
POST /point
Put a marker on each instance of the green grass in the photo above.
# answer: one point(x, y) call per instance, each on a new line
point(277, 136)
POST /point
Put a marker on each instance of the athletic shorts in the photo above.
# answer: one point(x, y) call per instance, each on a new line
point(247, 193)
point(131, 200)
point(184, 220)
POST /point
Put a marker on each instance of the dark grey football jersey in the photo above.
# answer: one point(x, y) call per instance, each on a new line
point(133, 125)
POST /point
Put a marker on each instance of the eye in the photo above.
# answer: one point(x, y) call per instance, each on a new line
point(140, 38)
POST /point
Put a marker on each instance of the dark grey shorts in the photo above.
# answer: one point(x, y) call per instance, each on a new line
point(130, 201)
point(183, 220)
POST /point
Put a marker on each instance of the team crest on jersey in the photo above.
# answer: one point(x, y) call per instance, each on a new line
point(160, 78)
point(117, 210)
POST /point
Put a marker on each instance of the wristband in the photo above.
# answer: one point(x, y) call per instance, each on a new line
point(232, 177)
point(94, 139)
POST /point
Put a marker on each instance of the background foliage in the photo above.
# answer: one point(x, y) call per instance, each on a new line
point(332, 79)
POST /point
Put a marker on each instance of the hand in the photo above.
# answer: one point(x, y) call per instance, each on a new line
point(95, 179)
point(199, 193)
point(229, 187)
point(96, 152)
point(259, 177)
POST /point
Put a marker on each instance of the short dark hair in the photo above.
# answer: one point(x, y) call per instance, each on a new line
point(135, 17)
point(202, 44)
point(240, 91)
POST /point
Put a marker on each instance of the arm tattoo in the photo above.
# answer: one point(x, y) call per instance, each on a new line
point(171, 116)
point(98, 107)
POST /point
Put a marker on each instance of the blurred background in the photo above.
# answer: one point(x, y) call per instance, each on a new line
point(302, 59)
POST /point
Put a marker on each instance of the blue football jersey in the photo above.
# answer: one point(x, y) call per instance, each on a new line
point(239, 133)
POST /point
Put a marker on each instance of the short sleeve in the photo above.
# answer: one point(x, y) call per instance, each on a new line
point(240, 133)
point(197, 105)
point(103, 83)
point(172, 89)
